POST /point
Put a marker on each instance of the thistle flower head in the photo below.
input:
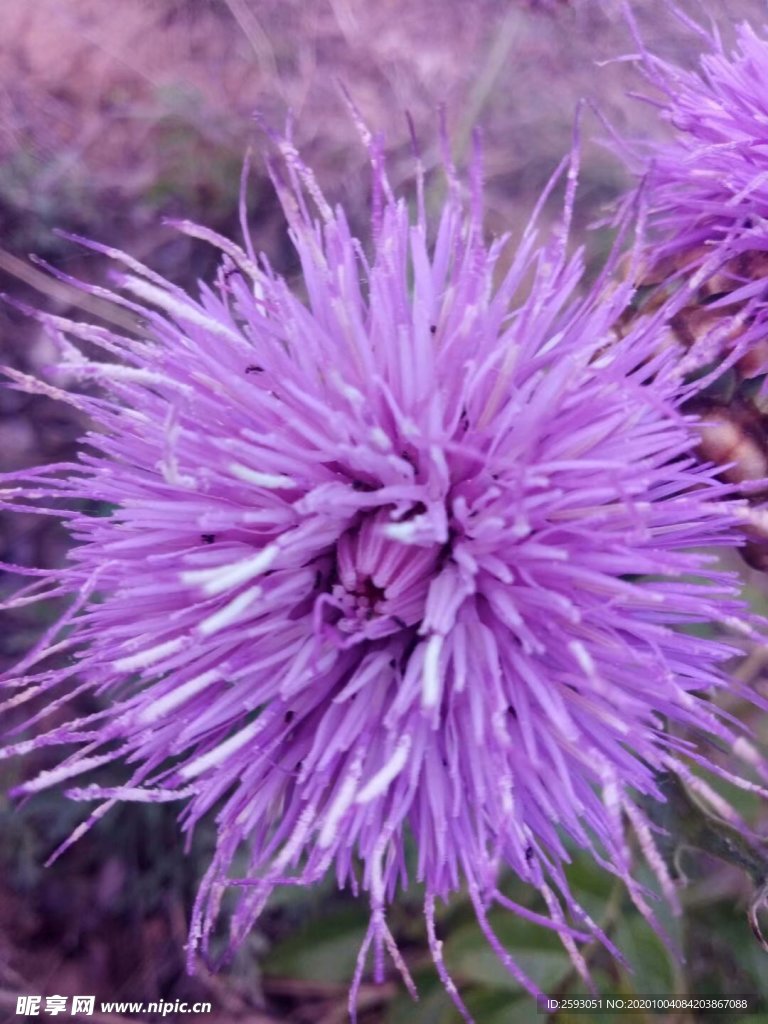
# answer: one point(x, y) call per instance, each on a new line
point(403, 549)
point(708, 183)
point(705, 188)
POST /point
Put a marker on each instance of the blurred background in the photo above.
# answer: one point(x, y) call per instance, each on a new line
point(114, 116)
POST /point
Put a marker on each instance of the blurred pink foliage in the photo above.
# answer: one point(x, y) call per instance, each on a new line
point(122, 99)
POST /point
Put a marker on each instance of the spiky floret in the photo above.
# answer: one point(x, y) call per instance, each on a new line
point(404, 549)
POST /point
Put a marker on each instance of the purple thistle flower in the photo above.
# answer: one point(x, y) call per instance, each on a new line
point(403, 550)
point(707, 185)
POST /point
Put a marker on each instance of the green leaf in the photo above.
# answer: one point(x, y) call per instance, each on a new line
point(326, 949)
point(433, 1007)
point(496, 1007)
point(652, 969)
point(537, 952)
point(592, 886)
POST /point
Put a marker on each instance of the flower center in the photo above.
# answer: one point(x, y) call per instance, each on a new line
point(381, 584)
